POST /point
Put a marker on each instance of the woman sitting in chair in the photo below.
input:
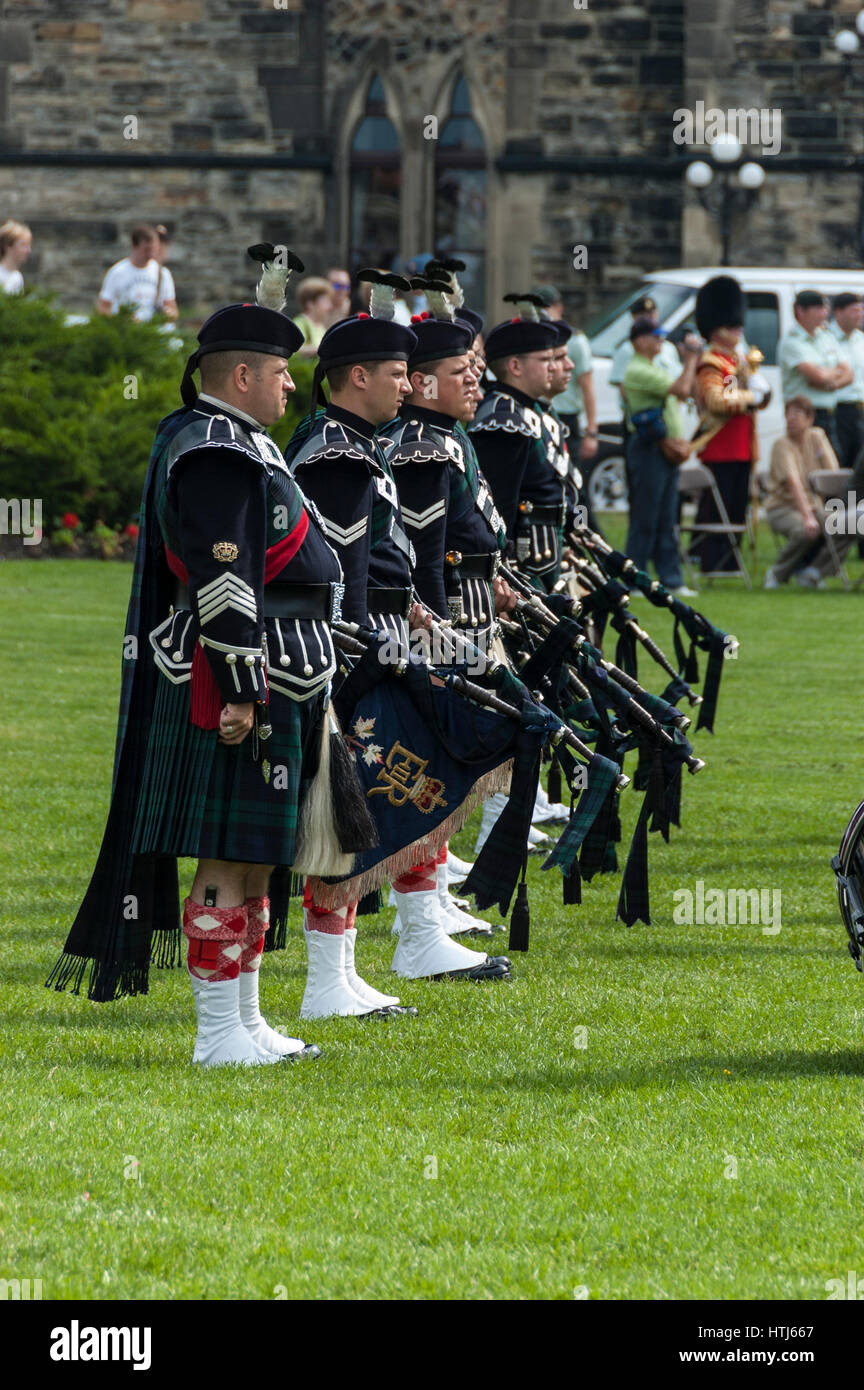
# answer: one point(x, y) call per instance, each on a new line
point(792, 506)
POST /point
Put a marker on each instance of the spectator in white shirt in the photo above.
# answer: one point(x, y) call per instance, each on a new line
point(139, 280)
point(16, 243)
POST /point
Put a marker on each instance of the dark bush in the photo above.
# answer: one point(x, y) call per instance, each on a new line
point(79, 406)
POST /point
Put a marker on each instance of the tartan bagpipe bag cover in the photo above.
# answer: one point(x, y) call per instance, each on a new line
point(425, 757)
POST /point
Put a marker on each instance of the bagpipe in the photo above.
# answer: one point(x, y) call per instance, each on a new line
point(557, 639)
point(848, 866)
point(430, 744)
point(609, 575)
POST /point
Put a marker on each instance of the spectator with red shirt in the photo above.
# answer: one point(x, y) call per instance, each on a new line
point(727, 441)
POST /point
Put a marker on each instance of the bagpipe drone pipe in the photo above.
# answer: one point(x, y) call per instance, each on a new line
point(547, 642)
point(430, 744)
point(608, 575)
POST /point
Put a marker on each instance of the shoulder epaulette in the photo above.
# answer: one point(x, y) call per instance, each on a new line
point(329, 440)
point(221, 432)
point(499, 411)
point(415, 441)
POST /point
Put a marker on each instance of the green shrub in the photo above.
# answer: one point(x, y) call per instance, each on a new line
point(79, 406)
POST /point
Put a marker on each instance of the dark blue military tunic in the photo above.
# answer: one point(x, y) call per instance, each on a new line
point(448, 511)
point(344, 469)
point(522, 455)
point(256, 586)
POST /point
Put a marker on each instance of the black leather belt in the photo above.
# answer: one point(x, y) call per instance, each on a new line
point(479, 566)
point(322, 601)
point(389, 600)
point(304, 601)
point(530, 514)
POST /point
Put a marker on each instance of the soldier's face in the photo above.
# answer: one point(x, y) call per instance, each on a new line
point(456, 383)
point(386, 387)
point(266, 390)
point(536, 372)
point(562, 370)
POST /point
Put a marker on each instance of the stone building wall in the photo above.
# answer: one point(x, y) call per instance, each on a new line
point(210, 77)
point(549, 81)
point(781, 56)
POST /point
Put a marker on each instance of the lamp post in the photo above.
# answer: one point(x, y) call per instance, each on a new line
point(734, 190)
point(846, 41)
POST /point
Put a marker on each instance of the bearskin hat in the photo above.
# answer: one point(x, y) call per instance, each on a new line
point(720, 304)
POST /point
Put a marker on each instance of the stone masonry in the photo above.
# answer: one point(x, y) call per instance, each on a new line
point(550, 80)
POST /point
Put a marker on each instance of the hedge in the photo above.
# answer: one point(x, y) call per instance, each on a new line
point(79, 405)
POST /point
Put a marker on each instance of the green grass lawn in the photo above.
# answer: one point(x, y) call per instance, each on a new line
point(666, 1112)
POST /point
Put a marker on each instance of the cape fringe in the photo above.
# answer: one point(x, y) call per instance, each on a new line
point(167, 949)
point(350, 890)
point(108, 980)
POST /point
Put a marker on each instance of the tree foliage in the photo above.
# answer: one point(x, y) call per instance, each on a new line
point(80, 403)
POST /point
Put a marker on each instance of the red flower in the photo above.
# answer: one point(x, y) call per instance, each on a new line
point(131, 530)
point(70, 520)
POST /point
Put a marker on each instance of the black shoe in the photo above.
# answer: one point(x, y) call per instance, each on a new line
point(493, 968)
point(390, 1011)
point(482, 929)
point(309, 1053)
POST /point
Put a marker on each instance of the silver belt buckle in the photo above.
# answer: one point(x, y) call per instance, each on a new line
point(337, 595)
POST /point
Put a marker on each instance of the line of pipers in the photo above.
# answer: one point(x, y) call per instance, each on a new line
point(553, 642)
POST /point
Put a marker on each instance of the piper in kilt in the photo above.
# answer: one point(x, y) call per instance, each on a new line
point(449, 514)
point(520, 452)
point(224, 722)
point(342, 465)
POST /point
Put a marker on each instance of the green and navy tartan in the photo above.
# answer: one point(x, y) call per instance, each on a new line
point(204, 800)
point(130, 899)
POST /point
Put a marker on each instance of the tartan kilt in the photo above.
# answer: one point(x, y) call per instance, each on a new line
point(203, 800)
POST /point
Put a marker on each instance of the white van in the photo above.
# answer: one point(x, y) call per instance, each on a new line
point(769, 293)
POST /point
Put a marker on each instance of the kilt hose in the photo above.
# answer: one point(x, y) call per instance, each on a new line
point(201, 799)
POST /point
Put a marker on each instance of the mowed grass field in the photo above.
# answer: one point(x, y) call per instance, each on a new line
point(669, 1112)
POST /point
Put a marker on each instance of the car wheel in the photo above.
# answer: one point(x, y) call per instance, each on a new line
point(607, 485)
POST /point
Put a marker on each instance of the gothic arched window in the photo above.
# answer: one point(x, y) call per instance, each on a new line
point(376, 182)
point(461, 193)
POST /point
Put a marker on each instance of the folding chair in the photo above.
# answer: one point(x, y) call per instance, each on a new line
point(694, 479)
point(828, 483)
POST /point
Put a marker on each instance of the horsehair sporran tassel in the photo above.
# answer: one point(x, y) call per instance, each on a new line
point(355, 826)
point(318, 847)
